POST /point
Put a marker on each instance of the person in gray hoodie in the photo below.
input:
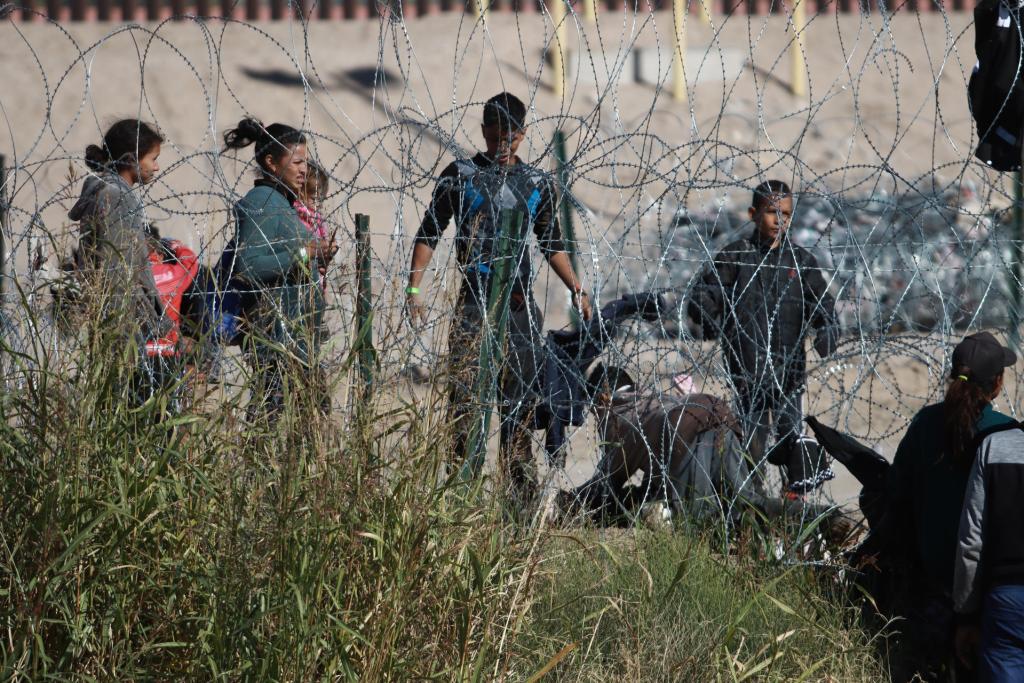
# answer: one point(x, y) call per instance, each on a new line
point(113, 248)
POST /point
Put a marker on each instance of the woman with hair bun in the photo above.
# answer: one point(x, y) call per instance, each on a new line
point(278, 259)
point(113, 248)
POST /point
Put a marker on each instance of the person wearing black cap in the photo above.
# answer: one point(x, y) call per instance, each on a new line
point(474, 192)
point(926, 487)
point(988, 588)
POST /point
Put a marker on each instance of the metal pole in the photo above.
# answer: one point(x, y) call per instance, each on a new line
point(480, 10)
point(679, 59)
point(565, 211)
point(492, 341)
point(366, 354)
point(799, 77)
point(557, 12)
point(5, 210)
point(1018, 262)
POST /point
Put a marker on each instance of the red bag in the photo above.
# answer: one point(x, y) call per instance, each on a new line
point(175, 267)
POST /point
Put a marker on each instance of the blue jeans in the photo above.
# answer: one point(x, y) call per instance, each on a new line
point(1001, 654)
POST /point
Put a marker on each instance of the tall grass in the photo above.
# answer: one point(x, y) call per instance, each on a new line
point(143, 540)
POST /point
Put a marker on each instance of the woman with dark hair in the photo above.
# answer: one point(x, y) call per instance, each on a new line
point(278, 259)
point(113, 250)
point(989, 575)
point(926, 487)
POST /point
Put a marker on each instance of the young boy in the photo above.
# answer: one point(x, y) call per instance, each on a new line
point(761, 295)
point(474, 192)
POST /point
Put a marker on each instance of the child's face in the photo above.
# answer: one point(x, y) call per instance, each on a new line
point(502, 143)
point(772, 219)
point(312, 189)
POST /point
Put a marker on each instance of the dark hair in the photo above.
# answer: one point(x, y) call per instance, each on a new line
point(273, 140)
point(764, 192)
point(965, 399)
point(505, 109)
point(124, 144)
point(608, 379)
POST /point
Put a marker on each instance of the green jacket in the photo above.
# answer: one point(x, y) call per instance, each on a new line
point(269, 250)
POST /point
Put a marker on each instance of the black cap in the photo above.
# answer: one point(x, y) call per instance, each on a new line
point(505, 109)
point(983, 356)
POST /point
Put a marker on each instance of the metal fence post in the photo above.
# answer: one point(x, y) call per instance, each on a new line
point(5, 209)
point(565, 211)
point(492, 340)
point(1017, 279)
point(366, 354)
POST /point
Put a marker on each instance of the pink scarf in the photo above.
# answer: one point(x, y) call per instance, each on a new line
point(312, 219)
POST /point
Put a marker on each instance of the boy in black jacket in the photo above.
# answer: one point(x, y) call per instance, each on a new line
point(761, 295)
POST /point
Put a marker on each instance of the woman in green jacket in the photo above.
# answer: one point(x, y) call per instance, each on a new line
point(279, 260)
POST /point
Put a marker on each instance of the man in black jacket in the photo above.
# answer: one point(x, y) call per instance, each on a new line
point(474, 192)
point(761, 295)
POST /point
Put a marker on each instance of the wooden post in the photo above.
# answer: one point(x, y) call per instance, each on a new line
point(128, 10)
point(276, 10)
point(77, 10)
point(324, 9)
point(252, 10)
point(153, 10)
point(492, 341)
point(798, 83)
point(556, 10)
point(53, 9)
point(679, 59)
point(589, 10)
point(227, 8)
point(366, 354)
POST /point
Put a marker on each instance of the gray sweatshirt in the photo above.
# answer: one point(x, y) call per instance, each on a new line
point(990, 551)
point(113, 243)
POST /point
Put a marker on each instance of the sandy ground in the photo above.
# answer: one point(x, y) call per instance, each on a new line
point(390, 103)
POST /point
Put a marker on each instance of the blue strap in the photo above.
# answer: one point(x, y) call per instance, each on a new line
point(532, 202)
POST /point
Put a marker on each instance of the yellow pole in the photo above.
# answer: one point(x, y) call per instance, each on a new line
point(678, 63)
point(705, 12)
point(480, 9)
point(589, 10)
point(799, 79)
point(557, 12)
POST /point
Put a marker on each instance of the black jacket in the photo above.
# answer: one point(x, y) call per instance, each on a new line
point(996, 90)
point(761, 302)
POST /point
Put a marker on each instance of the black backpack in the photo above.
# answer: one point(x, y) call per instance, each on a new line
point(996, 91)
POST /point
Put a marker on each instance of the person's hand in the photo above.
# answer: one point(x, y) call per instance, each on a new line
point(581, 302)
point(415, 309)
point(966, 643)
point(322, 251)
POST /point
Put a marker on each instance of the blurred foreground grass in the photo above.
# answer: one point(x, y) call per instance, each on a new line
point(151, 541)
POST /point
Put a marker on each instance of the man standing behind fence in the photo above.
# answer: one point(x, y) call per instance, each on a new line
point(474, 191)
point(760, 295)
